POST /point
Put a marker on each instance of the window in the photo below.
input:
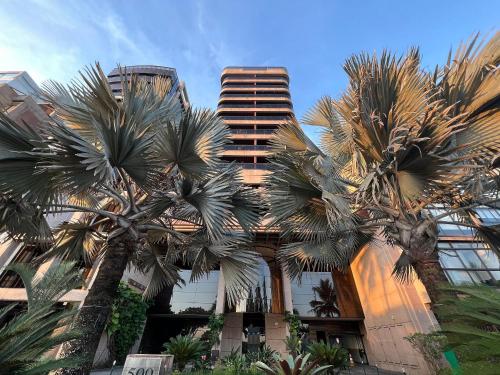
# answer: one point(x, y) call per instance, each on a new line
point(315, 295)
point(469, 262)
point(197, 297)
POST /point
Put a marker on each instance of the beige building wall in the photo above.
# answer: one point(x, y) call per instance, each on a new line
point(232, 334)
point(392, 310)
point(276, 331)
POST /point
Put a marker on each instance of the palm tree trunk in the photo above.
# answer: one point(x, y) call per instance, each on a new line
point(431, 274)
point(92, 317)
point(419, 240)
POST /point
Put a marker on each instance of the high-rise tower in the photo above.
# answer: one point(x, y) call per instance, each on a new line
point(148, 72)
point(253, 102)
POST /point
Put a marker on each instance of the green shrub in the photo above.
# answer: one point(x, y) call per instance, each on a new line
point(297, 366)
point(264, 354)
point(128, 314)
point(184, 349)
point(326, 354)
point(470, 318)
point(293, 344)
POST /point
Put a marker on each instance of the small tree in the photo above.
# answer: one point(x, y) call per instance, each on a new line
point(135, 173)
point(397, 143)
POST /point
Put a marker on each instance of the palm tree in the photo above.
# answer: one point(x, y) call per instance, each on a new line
point(27, 338)
point(144, 183)
point(327, 303)
point(398, 142)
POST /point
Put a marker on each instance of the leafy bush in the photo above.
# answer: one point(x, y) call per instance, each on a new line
point(126, 321)
point(294, 323)
point(215, 325)
point(470, 319)
point(293, 344)
point(290, 366)
point(326, 354)
point(264, 354)
point(184, 349)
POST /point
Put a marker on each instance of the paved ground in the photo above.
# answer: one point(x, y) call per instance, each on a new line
point(358, 370)
point(367, 370)
point(116, 371)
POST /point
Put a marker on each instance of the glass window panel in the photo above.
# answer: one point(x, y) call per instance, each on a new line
point(459, 277)
point(496, 275)
point(444, 245)
point(449, 259)
point(470, 259)
point(489, 258)
point(196, 297)
point(481, 276)
point(315, 295)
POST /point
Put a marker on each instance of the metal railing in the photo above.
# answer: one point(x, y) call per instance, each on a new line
point(247, 147)
point(286, 95)
point(237, 85)
point(277, 105)
point(252, 131)
point(256, 118)
point(261, 166)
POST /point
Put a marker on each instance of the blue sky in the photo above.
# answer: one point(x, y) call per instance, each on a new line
point(53, 39)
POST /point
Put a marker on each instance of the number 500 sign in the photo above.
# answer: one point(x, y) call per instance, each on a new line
point(148, 364)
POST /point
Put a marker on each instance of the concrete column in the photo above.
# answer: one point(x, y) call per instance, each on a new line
point(287, 291)
point(221, 294)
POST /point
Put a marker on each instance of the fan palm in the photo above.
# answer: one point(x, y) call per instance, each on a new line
point(327, 303)
point(145, 185)
point(398, 142)
point(26, 339)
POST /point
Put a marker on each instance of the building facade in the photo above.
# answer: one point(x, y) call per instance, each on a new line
point(364, 309)
point(148, 73)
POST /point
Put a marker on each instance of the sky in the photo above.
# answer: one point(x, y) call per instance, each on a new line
point(53, 39)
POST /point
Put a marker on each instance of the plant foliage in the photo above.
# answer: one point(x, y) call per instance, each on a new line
point(126, 321)
point(398, 141)
point(326, 354)
point(185, 349)
point(470, 319)
point(36, 329)
point(291, 366)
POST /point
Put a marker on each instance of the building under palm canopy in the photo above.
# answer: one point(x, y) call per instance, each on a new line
point(363, 308)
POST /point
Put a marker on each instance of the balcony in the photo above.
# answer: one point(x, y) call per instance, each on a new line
point(247, 147)
point(252, 131)
point(257, 86)
point(257, 118)
point(260, 166)
point(283, 95)
point(277, 105)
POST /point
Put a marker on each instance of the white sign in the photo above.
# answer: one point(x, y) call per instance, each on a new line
point(148, 364)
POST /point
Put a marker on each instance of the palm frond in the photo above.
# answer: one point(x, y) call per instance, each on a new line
point(77, 240)
point(30, 335)
point(192, 144)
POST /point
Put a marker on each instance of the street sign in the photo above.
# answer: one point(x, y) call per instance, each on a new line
point(148, 364)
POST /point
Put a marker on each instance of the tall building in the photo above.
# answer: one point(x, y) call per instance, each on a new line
point(253, 102)
point(148, 72)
